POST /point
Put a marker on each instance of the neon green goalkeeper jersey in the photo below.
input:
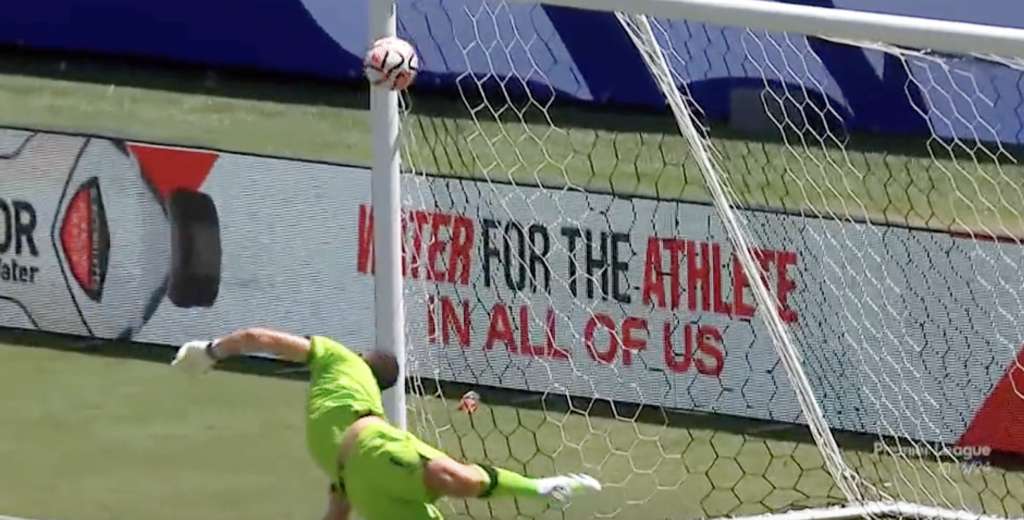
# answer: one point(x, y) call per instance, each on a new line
point(342, 389)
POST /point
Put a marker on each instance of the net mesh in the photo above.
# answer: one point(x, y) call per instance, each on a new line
point(566, 265)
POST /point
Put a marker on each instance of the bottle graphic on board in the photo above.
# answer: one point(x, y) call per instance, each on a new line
point(89, 246)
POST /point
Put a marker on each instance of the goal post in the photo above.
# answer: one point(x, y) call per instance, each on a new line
point(389, 305)
point(741, 302)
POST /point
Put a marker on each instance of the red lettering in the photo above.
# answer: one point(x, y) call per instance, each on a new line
point(450, 321)
point(709, 342)
point(500, 329)
point(783, 260)
point(720, 305)
point(739, 284)
point(674, 363)
point(364, 258)
point(764, 257)
point(462, 246)
point(525, 347)
point(675, 247)
point(431, 321)
point(442, 263)
point(630, 342)
point(697, 275)
point(606, 322)
point(653, 285)
point(437, 247)
point(551, 349)
point(419, 219)
point(405, 249)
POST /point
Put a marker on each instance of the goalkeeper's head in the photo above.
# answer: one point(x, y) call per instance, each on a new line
point(384, 367)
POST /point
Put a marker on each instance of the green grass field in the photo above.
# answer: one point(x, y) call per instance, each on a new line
point(108, 432)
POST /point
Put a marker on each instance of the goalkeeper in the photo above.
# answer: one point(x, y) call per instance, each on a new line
point(384, 473)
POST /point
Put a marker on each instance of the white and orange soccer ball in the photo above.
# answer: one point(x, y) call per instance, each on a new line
point(391, 63)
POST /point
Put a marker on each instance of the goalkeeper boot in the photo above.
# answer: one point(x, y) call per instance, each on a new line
point(563, 487)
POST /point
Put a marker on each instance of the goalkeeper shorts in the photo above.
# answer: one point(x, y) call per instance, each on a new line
point(383, 475)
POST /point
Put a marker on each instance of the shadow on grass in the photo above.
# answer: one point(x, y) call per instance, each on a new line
point(431, 103)
point(257, 85)
point(149, 352)
point(175, 77)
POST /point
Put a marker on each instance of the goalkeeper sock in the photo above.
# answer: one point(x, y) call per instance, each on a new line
point(502, 482)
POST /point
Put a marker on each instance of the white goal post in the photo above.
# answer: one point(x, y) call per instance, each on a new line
point(917, 33)
point(389, 305)
point(505, 170)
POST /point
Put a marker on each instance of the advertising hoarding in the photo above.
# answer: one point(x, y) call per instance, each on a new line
point(623, 299)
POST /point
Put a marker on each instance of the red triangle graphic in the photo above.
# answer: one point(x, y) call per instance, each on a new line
point(169, 169)
point(999, 423)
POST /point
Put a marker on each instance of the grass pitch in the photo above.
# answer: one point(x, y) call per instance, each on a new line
point(107, 431)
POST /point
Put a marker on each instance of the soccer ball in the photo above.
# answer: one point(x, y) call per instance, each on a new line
point(391, 63)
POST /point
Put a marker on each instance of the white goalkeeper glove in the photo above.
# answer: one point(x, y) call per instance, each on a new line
point(194, 358)
point(563, 487)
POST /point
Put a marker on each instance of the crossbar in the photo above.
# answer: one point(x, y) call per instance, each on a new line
point(845, 24)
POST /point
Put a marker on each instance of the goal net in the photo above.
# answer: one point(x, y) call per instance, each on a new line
point(746, 299)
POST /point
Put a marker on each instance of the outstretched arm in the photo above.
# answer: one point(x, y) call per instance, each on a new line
point(264, 341)
point(200, 356)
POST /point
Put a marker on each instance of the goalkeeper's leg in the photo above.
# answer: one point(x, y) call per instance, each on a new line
point(385, 467)
point(444, 476)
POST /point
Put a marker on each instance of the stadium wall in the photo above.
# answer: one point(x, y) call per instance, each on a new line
point(114, 239)
point(325, 38)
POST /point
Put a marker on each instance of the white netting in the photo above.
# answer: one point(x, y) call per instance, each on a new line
point(565, 264)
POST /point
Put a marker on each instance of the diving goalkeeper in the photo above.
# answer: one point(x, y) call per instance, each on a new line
point(384, 473)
